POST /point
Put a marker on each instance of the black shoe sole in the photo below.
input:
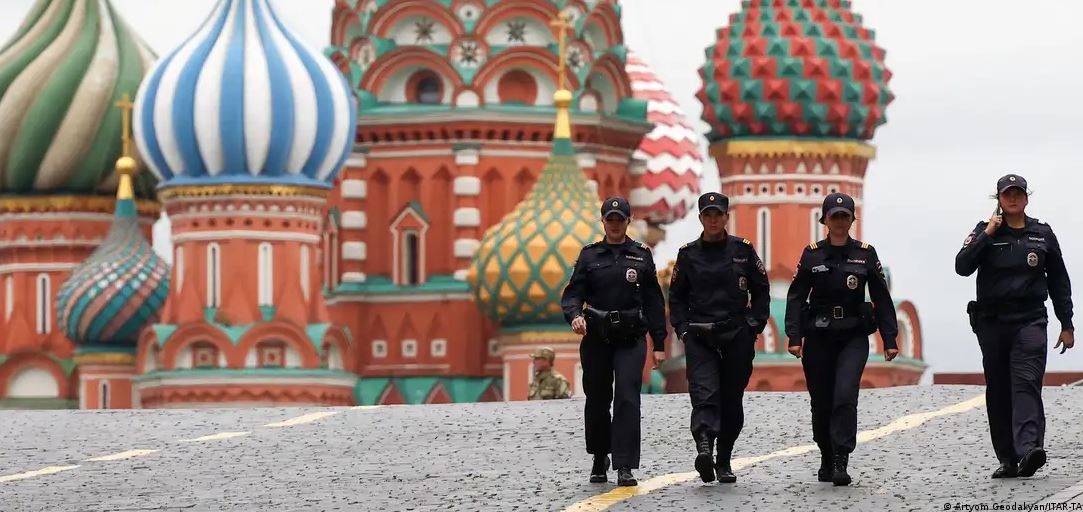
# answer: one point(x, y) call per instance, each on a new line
point(824, 477)
point(1032, 462)
point(598, 479)
point(841, 480)
point(731, 479)
point(627, 483)
point(705, 467)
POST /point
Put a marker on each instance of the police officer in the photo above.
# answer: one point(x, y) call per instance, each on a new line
point(548, 383)
point(828, 324)
point(711, 312)
point(613, 300)
point(1019, 265)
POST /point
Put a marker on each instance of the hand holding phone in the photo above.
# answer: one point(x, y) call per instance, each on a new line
point(994, 221)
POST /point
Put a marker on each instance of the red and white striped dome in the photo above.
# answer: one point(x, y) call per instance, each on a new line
point(670, 185)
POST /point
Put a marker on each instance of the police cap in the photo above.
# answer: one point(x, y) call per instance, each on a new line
point(835, 203)
point(714, 200)
point(617, 205)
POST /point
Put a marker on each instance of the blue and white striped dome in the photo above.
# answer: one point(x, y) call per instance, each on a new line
point(244, 101)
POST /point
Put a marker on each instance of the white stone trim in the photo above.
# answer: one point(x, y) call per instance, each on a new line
point(466, 247)
point(408, 366)
point(353, 277)
point(814, 200)
point(637, 167)
point(357, 160)
point(195, 379)
point(354, 189)
point(411, 153)
point(841, 178)
point(469, 156)
point(63, 216)
point(461, 274)
point(586, 160)
point(354, 220)
point(245, 234)
point(467, 218)
point(438, 347)
point(399, 298)
point(52, 243)
point(256, 214)
point(36, 267)
point(379, 349)
point(467, 186)
point(354, 251)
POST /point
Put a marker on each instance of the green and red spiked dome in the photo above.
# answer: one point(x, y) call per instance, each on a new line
point(794, 68)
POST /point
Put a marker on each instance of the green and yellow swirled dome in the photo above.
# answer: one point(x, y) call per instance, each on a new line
point(525, 261)
point(69, 62)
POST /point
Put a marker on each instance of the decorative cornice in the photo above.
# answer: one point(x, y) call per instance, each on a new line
point(35, 204)
point(250, 190)
point(104, 358)
point(792, 147)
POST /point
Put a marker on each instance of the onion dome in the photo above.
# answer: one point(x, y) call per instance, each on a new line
point(122, 286)
point(244, 101)
point(670, 185)
point(804, 68)
point(524, 262)
point(68, 63)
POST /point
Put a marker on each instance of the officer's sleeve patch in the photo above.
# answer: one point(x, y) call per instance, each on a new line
point(880, 269)
point(969, 239)
point(760, 267)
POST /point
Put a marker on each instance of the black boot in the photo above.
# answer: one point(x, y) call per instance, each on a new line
point(1007, 470)
point(1030, 462)
point(703, 459)
point(597, 472)
point(722, 468)
point(625, 478)
point(840, 476)
point(827, 469)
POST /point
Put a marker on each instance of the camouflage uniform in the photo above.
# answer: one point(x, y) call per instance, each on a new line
point(548, 384)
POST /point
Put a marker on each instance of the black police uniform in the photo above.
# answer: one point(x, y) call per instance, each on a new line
point(1018, 269)
point(826, 307)
point(710, 309)
point(615, 288)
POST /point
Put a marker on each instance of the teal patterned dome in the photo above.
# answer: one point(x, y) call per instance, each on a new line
point(122, 286)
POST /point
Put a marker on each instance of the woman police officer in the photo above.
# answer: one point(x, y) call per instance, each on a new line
point(1019, 265)
point(828, 324)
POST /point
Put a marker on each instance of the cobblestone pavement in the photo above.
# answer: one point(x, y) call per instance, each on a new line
point(508, 456)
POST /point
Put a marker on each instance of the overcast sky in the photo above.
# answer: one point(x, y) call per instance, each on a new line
point(984, 87)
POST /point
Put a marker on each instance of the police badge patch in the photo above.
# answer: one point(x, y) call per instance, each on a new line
point(851, 282)
point(969, 238)
point(631, 275)
point(1032, 259)
point(759, 266)
point(742, 283)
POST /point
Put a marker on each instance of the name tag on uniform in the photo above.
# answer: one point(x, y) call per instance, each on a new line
point(819, 268)
point(855, 261)
point(740, 260)
point(1001, 243)
point(629, 256)
point(1036, 238)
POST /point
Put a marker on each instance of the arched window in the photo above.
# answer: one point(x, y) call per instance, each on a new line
point(266, 275)
point(304, 271)
point(214, 275)
point(178, 264)
point(426, 88)
point(815, 229)
point(411, 264)
point(763, 235)
point(103, 394)
point(9, 296)
point(44, 304)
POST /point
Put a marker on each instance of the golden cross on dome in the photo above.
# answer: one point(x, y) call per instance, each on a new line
point(562, 24)
point(125, 105)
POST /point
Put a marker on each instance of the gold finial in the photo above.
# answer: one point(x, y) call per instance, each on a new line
point(562, 24)
point(563, 97)
point(126, 165)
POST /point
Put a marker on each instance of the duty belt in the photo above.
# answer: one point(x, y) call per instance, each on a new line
point(615, 325)
point(837, 312)
point(1000, 307)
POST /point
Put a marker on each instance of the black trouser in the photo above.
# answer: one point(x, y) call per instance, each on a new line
point(716, 385)
point(1013, 356)
point(602, 362)
point(833, 365)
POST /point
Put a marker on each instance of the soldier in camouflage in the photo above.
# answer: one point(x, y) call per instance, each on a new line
point(548, 383)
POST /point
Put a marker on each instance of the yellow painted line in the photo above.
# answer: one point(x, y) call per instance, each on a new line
point(130, 454)
point(37, 472)
point(216, 437)
point(619, 494)
point(307, 418)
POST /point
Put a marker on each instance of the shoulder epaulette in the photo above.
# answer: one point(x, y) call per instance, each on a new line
point(746, 241)
point(865, 245)
point(814, 245)
point(641, 245)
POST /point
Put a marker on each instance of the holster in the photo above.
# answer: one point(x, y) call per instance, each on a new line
point(823, 319)
point(717, 334)
point(617, 327)
point(973, 315)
